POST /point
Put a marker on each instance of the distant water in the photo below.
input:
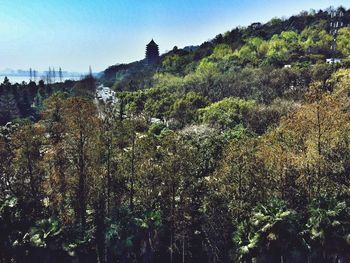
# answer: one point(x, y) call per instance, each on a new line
point(20, 79)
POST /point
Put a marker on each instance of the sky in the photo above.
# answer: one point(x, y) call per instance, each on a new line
point(74, 34)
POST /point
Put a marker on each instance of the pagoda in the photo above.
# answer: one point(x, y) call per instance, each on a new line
point(152, 53)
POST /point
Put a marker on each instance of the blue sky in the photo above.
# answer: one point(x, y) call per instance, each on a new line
point(74, 34)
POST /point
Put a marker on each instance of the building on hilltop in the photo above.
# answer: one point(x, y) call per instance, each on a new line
point(152, 53)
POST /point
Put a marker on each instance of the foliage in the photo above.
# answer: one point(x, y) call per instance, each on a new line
point(343, 43)
point(184, 110)
point(328, 225)
point(272, 230)
point(226, 113)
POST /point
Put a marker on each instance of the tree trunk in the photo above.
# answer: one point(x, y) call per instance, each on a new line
point(100, 229)
point(183, 248)
point(81, 184)
point(319, 150)
point(132, 171)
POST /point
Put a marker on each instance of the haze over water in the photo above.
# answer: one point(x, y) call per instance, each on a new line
point(20, 79)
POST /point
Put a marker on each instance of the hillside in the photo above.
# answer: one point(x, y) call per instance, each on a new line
point(262, 62)
point(300, 40)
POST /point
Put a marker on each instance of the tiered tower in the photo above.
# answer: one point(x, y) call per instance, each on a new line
point(152, 53)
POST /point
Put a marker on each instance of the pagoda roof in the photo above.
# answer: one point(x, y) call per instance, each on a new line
point(152, 43)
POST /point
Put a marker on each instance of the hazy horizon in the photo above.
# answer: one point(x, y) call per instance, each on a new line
point(75, 35)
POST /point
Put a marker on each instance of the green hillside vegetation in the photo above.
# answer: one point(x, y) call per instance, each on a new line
point(219, 154)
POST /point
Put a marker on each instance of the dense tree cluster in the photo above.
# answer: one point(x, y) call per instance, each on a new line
point(26, 100)
point(218, 187)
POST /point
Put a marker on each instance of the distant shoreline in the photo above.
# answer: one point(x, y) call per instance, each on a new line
point(20, 79)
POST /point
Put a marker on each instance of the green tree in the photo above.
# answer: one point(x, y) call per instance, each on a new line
point(327, 228)
point(226, 113)
point(343, 42)
point(184, 110)
point(271, 234)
